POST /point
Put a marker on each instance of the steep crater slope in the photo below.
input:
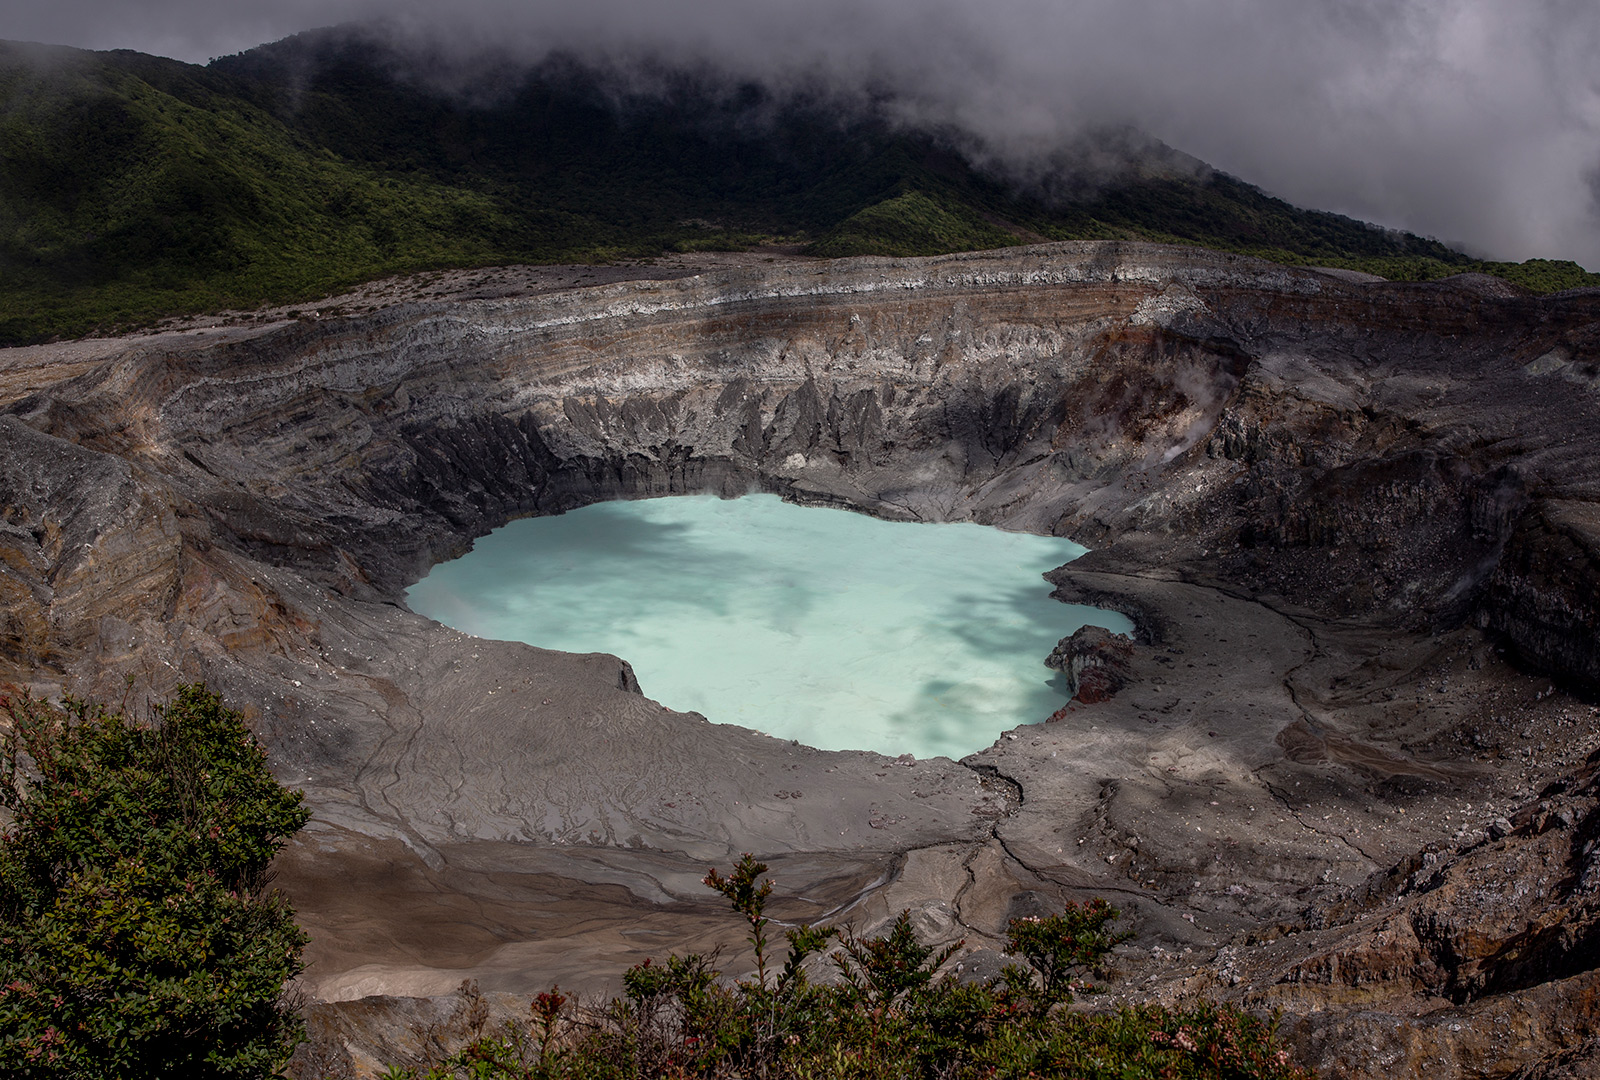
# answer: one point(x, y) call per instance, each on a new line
point(1312, 495)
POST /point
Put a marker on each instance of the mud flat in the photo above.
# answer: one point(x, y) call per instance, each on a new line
point(1348, 771)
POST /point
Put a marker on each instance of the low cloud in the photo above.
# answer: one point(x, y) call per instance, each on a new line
point(1475, 121)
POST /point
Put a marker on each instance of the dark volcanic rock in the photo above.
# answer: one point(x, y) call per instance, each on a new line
point(1544, 594)
point(1502, 933)
point(1095, 661)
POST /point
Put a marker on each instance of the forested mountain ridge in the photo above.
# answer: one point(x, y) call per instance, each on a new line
point(134, 187)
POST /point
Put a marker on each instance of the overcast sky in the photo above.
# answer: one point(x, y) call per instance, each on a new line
point(1475, 121)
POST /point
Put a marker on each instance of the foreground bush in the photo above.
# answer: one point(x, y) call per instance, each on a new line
point(889, 1016)
point(137, 937)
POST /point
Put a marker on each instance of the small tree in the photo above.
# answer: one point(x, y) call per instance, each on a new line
point(748, 894)
point(883, 971)
point(1058, 946)
point(137, 935)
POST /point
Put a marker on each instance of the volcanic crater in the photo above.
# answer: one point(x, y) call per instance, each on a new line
point(1346, 769)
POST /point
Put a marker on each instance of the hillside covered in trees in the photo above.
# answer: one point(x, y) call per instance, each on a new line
point(134, 187)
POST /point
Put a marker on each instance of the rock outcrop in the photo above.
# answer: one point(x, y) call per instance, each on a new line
point(1095, 662)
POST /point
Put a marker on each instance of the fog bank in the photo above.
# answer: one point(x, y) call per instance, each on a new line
point(1475, 121)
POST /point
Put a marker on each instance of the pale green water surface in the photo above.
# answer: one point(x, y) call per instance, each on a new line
point(826, 626)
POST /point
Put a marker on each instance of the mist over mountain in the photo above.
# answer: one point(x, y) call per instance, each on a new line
point(134, 186)
point(1476, 121)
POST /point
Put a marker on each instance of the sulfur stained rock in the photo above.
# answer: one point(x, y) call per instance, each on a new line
point(1095, 662)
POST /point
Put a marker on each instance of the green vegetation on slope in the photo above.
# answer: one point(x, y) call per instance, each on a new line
point(137, 935)
point(890, 1015)
point(133, 187)
point(119, 202)
point(912, 223)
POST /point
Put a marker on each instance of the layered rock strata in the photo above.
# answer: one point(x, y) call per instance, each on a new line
point(1335, 510)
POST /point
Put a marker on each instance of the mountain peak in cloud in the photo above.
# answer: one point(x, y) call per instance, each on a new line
point(1477, 120)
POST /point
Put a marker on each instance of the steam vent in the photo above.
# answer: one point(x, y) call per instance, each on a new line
point(1344, 768)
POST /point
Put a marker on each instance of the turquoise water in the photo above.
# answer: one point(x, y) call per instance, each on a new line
point(826, 626)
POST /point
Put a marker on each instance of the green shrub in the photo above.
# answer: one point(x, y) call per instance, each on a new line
point(892, 1017)
point(1058, 946)
point(889, 971)
point(137, 935)
point(911, 223)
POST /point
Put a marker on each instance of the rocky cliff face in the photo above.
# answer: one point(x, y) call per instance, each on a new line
point(1329, 506)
